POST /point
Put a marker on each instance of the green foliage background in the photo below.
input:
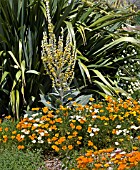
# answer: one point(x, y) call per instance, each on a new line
point(100, 41)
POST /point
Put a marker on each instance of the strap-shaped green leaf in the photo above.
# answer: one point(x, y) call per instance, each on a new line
point(104, 88)
point(100, 76)
point(14, 58)
point(118, 41)
point(84, 67)
point(17, 77)
point(17, 104)
point(4, 75)
point(33, 72)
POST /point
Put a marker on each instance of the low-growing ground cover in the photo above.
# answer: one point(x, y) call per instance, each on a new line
point(99, 135)
point(11, 158)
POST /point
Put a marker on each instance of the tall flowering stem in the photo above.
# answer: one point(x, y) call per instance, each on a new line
point(59, 60)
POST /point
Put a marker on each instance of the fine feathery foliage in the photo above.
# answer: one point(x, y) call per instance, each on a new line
point(13, 159)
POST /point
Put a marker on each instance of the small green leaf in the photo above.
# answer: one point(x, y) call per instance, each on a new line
point(13, 101)
point(4, 76)
point(82, 72)
point(33, 72)
point(99, 74)
point(80, 56)
point(71, 32)
point(118, 41)
point(104, 88)
point(86, 70)
point(18, 75)
point(43, 100)
point(83, 99)
point(17, 104)
point(14, 58)
point(1, 52)
point(20, 51)
point(82, 32)
point(102, 19)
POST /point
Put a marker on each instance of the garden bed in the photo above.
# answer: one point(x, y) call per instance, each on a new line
point(98, 135)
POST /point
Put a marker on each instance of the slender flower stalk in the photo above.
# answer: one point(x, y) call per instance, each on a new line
point(59, 60)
